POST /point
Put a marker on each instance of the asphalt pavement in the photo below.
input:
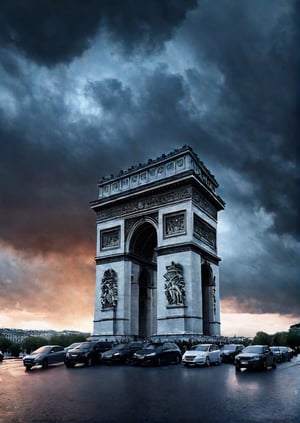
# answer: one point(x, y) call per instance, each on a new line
point(166, 394)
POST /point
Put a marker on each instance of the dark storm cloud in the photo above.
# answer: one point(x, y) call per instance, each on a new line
point(255, 46)
point(53, 31)
point(263, 276)
point(233, 98)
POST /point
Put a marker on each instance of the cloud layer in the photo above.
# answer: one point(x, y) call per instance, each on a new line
point(89, 88)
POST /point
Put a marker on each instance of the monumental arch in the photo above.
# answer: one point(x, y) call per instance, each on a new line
point(157, 268)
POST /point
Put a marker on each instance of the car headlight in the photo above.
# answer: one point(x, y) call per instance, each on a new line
point(257, 357)
point(37, 358)
point(116, 354)
point(151, 354)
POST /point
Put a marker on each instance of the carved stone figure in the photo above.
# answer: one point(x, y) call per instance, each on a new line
point(109, 289)
point(110, 239)
point(174, 285)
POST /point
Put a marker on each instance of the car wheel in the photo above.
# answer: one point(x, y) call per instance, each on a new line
point(237, 368)
point(177, 359)
point(264, 366)
point(274, 365)
point(69, 365)
point(158, 362)
point(88, 361)
point(45, 363)
point(28, 368)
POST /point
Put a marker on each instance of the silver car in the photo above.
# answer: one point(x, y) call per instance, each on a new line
point(202, 355)
point(43, 356)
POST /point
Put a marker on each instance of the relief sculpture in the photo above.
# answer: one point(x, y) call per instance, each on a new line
point(175, 224)
point(174, 285)
point(110, 239)
point(109, 289)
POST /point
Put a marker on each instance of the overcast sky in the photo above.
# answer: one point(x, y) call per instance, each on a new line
point(91, 87)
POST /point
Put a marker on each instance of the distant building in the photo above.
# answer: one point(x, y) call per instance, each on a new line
point(18, 335)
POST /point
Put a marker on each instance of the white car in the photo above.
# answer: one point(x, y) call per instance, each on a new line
point(202, 355)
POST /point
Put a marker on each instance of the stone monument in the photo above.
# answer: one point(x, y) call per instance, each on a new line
point(157, 268)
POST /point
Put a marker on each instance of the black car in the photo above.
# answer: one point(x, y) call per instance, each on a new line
point(255, 357)
point(122, 353)
point(158, 353)
point(88, 353)
point(229, 352)
point(1, 355)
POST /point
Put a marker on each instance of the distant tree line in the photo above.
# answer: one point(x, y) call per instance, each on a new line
point(289, 339)
point(31, 343)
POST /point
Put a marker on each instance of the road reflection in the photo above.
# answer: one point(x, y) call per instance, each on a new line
point(236, 382)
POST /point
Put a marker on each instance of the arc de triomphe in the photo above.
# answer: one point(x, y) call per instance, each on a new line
point(157, 268)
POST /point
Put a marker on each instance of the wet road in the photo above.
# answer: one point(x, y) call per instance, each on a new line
point(166, 394)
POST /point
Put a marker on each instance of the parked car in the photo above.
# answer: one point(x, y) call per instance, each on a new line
point(277, 354)
point(1, 355)
point(121, 353)
point(286, 353)
point(72, 346)
point(43, 356)
point(158, 353)
point(202, 354)
point(88, 353)
point(255, 357)
point(228, 352)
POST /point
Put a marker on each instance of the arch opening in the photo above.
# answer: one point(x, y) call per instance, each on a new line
point(208, 285)
point(143, 298)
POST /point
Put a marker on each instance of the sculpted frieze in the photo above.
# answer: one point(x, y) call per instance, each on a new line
point(174, 284)
point(145, 203)
point(110, 238)
point(174, 224)
point(127, 182)
point(109, 289)
point(204, 232)
point(204, 205)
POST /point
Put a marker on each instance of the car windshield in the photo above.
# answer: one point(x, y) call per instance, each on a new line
point(200, 348)
point(120, 347)
point(85, 346)
point(41, 350)
point(253, 349)
point(230, 347)
point(153, 347)
point(75, 345)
